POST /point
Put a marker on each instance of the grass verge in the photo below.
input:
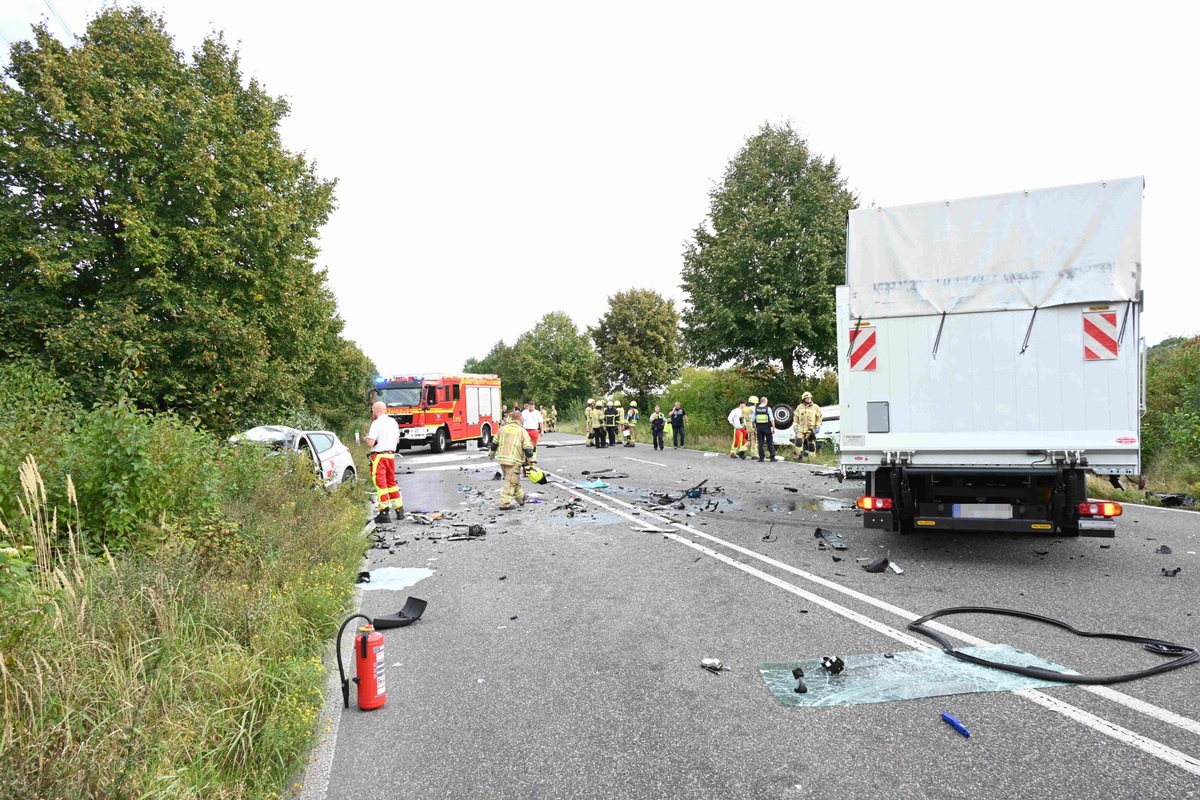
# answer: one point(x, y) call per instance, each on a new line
point(194, 672)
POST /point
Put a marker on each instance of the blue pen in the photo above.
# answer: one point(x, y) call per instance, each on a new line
point(958, 726)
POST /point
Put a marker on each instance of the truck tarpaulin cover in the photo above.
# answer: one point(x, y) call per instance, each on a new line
point(1071, 244)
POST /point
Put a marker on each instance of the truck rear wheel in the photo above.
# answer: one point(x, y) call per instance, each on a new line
point(441, 440)
point(485, 437)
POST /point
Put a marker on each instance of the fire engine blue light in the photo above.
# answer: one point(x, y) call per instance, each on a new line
point(380, 380)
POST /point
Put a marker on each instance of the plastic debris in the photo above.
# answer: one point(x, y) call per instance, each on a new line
point(833, 664)
point(711, 455)
point(1171, 573)
point(832, 538)
point(1163, 550)
point(363, 577)
point(713, 665)
point(894, 567)
point(958, 726)
point(800, 687)
point(595, 484)
point(878, 565)
point(790, 489)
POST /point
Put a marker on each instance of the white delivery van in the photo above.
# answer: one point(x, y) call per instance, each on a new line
point(990, 356)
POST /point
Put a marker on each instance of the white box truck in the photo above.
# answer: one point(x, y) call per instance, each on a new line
point(990, 356)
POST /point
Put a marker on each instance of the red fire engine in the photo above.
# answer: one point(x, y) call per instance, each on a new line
point(438, 409)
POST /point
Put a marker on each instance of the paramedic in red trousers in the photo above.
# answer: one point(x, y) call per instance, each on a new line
point(382, 438)
point(532, 423)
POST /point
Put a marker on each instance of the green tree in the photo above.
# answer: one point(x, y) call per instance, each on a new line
point(500, 361)
point(760, 271)
point(554, 361)
point(148, 199)
point(638, 344)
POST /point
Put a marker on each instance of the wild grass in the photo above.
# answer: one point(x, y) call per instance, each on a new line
point(194, 672)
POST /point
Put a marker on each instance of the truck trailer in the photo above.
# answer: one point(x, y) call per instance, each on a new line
point(990, 357)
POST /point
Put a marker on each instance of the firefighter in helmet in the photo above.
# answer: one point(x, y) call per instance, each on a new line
point(631, 421)
point(808, 425)
point(513, 449)
point(598, 433)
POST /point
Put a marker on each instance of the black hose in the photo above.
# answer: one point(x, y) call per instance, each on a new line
point(341, 669)
point(1187, 655)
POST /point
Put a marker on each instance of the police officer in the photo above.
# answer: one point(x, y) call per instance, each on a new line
point(513, 449)
point(764, 425)
point(658, 422)
point(808, 425)
point(631, 421)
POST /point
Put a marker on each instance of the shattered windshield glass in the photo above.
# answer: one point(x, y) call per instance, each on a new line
point(401, 397)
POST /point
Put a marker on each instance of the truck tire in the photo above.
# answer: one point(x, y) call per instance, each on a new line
point(783, 415)
point(485, 437)
point(441, 440)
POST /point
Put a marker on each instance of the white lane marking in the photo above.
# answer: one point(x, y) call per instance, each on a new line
point(1113, 730)
point(448, 467)
point(1108, 693)
point(1099, 724)
point(1161, 508)
point(655, 463)
point(434, 459)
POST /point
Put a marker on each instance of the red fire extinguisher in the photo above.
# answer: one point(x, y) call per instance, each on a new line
point(368, 666)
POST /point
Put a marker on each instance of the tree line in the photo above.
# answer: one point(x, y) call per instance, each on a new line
point(151, 216)
point(758, 273)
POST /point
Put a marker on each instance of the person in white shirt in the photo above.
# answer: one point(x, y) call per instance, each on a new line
point(532, 422)
point(382, 438)
point(735, 419)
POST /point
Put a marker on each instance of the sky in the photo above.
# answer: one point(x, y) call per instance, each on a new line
point(499, 161)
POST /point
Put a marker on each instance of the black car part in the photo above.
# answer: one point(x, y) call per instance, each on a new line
point(1186, 655)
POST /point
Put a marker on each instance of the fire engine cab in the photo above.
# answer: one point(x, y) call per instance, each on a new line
point(439, 409)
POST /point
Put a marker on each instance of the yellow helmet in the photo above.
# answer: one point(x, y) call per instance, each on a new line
point(534, 474)
point(806, 396)
point(753, 399)
point(591, 401)
point(617, 404)
point(633, 403)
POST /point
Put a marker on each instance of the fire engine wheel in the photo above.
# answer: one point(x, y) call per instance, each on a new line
point(485, 437)
point(440, 441)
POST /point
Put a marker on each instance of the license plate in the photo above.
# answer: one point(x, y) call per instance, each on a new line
point(982, 511)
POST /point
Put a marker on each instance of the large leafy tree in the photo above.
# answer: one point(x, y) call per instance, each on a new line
point(554, 361)
point(147, 199)
point(760, 271)
point(500, 360)
point(638, 344)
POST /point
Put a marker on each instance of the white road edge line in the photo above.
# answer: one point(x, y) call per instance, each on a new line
point(448, 467)
point(1099, 724)
point(631, 458)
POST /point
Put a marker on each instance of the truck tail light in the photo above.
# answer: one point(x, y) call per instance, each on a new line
point(1100, 509)
point(868, 503)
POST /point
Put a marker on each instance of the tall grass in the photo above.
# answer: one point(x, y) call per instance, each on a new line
point(194, 672)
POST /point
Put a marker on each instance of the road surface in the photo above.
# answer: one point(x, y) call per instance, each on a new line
point(560, 655)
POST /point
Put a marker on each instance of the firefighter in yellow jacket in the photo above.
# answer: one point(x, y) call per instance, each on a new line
point(588, 424)
point(513, 449)
point(598, 433)
point(631, 421)
point(748, 421)
point(808, 425)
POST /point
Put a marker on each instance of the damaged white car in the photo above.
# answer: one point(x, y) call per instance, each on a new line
point(331, 458)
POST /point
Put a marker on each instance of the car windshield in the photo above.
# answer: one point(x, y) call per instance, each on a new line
point(401, 397)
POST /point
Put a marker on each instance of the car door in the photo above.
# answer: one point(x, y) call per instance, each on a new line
point(323, 447)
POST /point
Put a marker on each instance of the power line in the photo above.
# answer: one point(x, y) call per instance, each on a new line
point(59, 17)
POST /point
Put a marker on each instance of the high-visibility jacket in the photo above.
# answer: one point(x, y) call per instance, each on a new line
point(808, 418)
point(513, 445)
point(632, 417)
point(611, 415)
point(762, 415)
point(748, 417)
point(588, 421)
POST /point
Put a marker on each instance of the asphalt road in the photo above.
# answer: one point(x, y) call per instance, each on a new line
point(559, 656)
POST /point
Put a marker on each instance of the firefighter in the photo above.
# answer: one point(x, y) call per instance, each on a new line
point(588, 422)
point(808, 425)
point(612, 415)
point(748, 424)
point(599, 433)
point(513, 449)
point(553, 420)
point(382, 438)
point(631, 421)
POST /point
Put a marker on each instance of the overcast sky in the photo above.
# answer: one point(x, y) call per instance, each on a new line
point(497, 161)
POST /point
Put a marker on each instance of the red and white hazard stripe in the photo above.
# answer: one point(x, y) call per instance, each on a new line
point(863, 342)
point(1099, 335)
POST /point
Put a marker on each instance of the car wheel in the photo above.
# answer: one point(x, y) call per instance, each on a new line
point(349, 475)
point(783, 416)
point(440, 441)
point(485, 437)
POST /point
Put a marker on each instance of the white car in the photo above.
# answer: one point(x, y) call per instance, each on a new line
point(331, 458)
point(830, 435)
